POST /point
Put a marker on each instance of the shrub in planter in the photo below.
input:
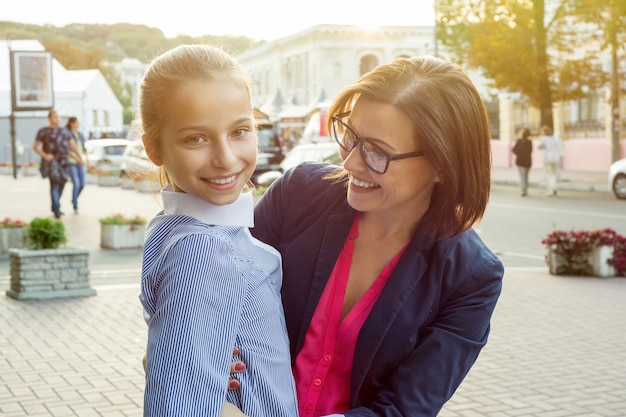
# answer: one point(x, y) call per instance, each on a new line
point(46, 270)
point(30, 169)
point(119, 232)
point(569, 252)
point(8, 223)
point(119, 219)
point(44, 233)
point(12, 234)
point(6, 168)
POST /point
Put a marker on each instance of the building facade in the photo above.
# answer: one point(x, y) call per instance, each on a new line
point(84, 94)
point(294, 77)
point(313, 65)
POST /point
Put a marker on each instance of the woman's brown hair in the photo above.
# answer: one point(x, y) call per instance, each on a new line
point(450, 120)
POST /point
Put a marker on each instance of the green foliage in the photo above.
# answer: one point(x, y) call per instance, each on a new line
point(9, 223)
point(572, 249)
point(527, 47)
point(114, 41)
point(45, 233)
point(88, 46)
point(119, 219)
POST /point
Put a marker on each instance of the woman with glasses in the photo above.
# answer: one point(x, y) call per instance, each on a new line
point(388, 291)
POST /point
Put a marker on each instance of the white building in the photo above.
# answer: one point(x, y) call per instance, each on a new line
point(131, 71)
point(292, 77)
point(84, 94)
point(320, 61)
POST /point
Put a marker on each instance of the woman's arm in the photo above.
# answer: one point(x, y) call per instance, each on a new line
point(417, 380)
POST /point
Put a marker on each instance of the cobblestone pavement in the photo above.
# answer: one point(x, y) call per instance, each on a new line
point(557, 345)
point(556, 349)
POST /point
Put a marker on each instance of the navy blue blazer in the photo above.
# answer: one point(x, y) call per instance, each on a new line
point(431, 319)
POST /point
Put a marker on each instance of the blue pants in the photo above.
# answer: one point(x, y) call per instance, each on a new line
point(56, 189)
point(78, 174)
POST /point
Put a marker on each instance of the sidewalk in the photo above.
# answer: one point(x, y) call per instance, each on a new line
point(28, 197)
point(569, 180)
point(556, 345)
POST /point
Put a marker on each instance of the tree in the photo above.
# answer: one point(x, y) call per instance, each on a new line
point(609, 19)
point(73, 58)
point(90, 46)
point(524, 47)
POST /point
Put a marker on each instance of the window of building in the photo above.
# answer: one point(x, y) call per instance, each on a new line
point(368, 63)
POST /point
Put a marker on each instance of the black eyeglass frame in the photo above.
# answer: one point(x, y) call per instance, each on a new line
point(388, 157)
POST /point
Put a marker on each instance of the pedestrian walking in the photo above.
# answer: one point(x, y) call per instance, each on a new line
point(78, 162)
point(523, 149)
point(552, 153)
point(54, 144)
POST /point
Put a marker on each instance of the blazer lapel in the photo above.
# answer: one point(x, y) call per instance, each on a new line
point(402, 282)
point(337, 228)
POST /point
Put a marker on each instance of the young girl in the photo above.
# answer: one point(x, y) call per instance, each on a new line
point(207, 285)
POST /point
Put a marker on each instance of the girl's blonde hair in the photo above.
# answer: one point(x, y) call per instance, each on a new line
point(180, 65)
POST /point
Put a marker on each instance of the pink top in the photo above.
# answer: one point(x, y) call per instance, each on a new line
point(323, 367)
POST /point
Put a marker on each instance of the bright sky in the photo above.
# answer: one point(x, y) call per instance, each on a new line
point(265, 19)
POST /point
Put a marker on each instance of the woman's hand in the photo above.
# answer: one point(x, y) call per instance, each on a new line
point(235, 367)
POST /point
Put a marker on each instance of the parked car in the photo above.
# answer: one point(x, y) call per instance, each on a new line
point(319, 152)
point(105, 154)
point(135, 161)
point(270, 152)
point(617, 178)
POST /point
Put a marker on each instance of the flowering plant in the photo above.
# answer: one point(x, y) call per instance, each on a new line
point(573, 248)
point(120, 219)
point(107, 173)
point(148, 176)
point(9, 223)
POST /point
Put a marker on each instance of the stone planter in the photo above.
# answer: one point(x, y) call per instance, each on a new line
point(599, 260)
point(108, 180)
point(6, 170)
point(553, 262)
point(91, 178)
point(127, 183)
point(13, 237)
point(49, 273)
point(30, 170)
point(121, 236)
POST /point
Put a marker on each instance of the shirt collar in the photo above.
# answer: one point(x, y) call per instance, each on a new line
point(238, 213)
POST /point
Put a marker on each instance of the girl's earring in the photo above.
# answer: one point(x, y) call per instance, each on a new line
point(437, 179)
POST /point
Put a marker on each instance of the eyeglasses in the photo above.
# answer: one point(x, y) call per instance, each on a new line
point(375, 158)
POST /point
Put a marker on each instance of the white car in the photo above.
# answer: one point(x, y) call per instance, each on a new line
point(106, 154)
point(320, 152)
point(135, 162)
point(617, 178)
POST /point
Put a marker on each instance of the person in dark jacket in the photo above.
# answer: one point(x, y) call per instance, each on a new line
point(523, 149)
point(388, 291)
